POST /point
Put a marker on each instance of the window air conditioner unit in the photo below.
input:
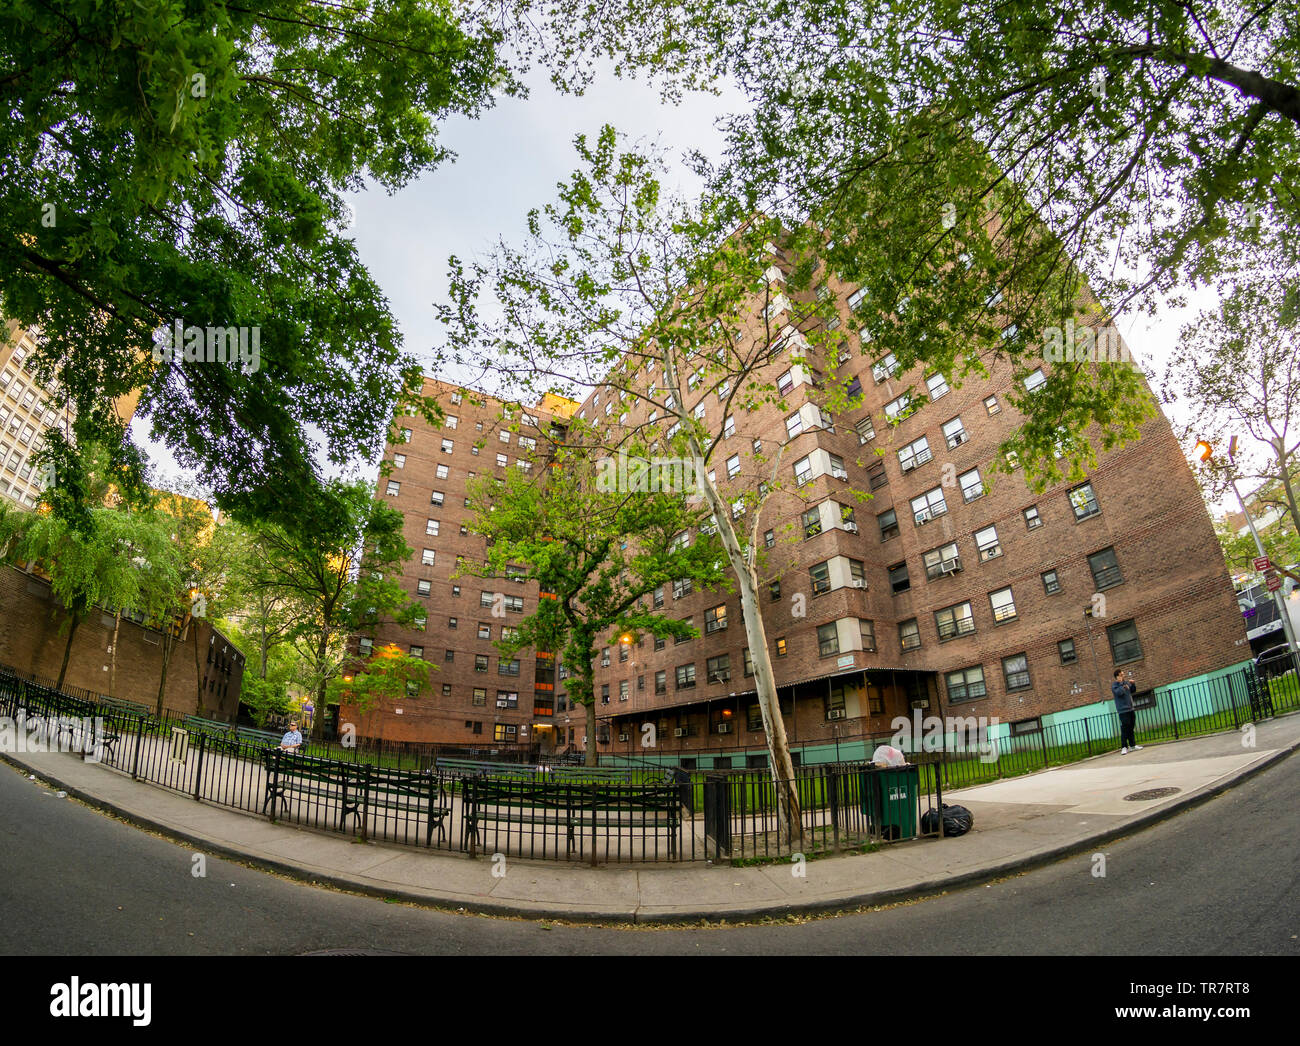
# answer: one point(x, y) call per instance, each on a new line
point(851, 527)
point(951, 568)
point(622, 737)
point(923, 520)
point(604, 662)
point(720, 677)
point(835, 713)
point(724, 728)
point(857, 582)
point(679, 731)
point(839, 473)
point(910, 465)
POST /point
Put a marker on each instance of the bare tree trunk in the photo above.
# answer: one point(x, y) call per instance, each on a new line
point(67, 651)
point(168, 645)
point(112, 670)
point(318, 720)
point(198, 673)
point(590, 758)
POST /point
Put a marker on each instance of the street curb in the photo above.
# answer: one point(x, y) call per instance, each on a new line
point(877, 898)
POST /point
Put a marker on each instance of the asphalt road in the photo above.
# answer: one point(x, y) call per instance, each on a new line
point(1221, 879)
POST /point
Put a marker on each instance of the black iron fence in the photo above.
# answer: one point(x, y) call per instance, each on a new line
point(641, 813)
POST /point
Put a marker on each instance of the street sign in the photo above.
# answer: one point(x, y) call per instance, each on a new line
point(1262, 563)
point(1274, 583)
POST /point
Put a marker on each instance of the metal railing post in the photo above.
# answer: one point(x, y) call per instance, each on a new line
point(198, 775)
point(139, 734)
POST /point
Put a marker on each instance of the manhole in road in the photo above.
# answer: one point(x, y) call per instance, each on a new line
point(1151, 793)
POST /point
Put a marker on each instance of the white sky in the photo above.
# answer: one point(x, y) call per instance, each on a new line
point(510, 161)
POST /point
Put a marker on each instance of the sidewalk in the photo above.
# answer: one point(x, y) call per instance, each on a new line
point(1019, 823)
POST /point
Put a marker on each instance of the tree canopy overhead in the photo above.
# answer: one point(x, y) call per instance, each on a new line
point(184, 163)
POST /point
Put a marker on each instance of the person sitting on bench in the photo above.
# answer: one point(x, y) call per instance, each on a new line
point(293, 739)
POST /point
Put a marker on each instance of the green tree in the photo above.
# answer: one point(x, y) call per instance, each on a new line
point(389, 674)
point(343, 571)
point(185, 163)
point(1238, 373)
point(597, 552)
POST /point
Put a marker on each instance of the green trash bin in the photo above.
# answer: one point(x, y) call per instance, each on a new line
point(889, 799)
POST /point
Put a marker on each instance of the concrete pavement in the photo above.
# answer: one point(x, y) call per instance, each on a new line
point(1019, 823)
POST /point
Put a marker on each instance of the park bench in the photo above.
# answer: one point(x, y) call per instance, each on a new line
point(263, 737)
point(571, 807)
point(358, 788)
point(117, 704)
point(482, 768)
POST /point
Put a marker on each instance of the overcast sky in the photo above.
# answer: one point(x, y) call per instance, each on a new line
point(509, 161)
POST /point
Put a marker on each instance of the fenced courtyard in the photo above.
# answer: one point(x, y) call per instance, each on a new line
point(649, 812)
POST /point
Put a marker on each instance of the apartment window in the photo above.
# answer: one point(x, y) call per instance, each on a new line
point(972, 486)
point(719, 669)
point(1035, 381)
point(748, 663)
point(449, 656)
point(464, 529)
point(456, 399)
point(828, 640)
point(686, 676)
point(897, 408)
point(941, 561)
point(1032, 519)
point(955, 621)
point(909, 634)
point(1084, 502)
point(682, 587)
point(436, 498)
point(604, 693)
point(866, 431)
point(417, 651)
point(938, 386)
point(502, 460)
point(455, 590)
point(785, 383)
point(452, 623)
point(1004, 605)
point(431, 528)
point(658, 598)
point(1066, 649)
point(504, 436)
point(422, 587)
point(486, 599)
point(394, 488)
point(1016, 671)
point(733, 466)
point(715, 619)
point(661, 682)
point(888, 523)
point(914, 454)
point(876, 475)
point(427, 557)
point(1013, 459)
point(728, 428)
point(406, 435)
point(689, 622)
point(757, 446)
point(1105, 569)
point(954, 434)
point(623, 689)
point(480, 696)
point(769, 539)
point(446, 690)
point(812, 522)
point(1124, 643)
point(821, 578)
point(986, 541)
point(448, 446)
point(991, 405)
point(899, 581)
point(480, 662)
point(507, 699)
point(781, 648)
point(856, 298)
point(884, 368)
point(699, 411)
point(965, 683)
point(515, 604)
point(484, 630)
point(928, 505)
point(794, 424)
point(366, 646)
point(1051, 582)
point(803, 471)
point(399, 461)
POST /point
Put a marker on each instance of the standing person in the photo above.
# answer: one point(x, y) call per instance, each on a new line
point(1124, 690)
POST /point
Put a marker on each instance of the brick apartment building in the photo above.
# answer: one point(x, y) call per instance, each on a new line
point(965, 599)
point(479, 698)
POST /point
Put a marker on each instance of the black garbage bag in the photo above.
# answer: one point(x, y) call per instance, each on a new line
point(957, 820)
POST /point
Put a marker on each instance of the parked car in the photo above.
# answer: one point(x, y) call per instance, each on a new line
point(1274, 661)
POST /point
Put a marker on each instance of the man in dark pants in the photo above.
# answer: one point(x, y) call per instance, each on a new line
point(1124, 690)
